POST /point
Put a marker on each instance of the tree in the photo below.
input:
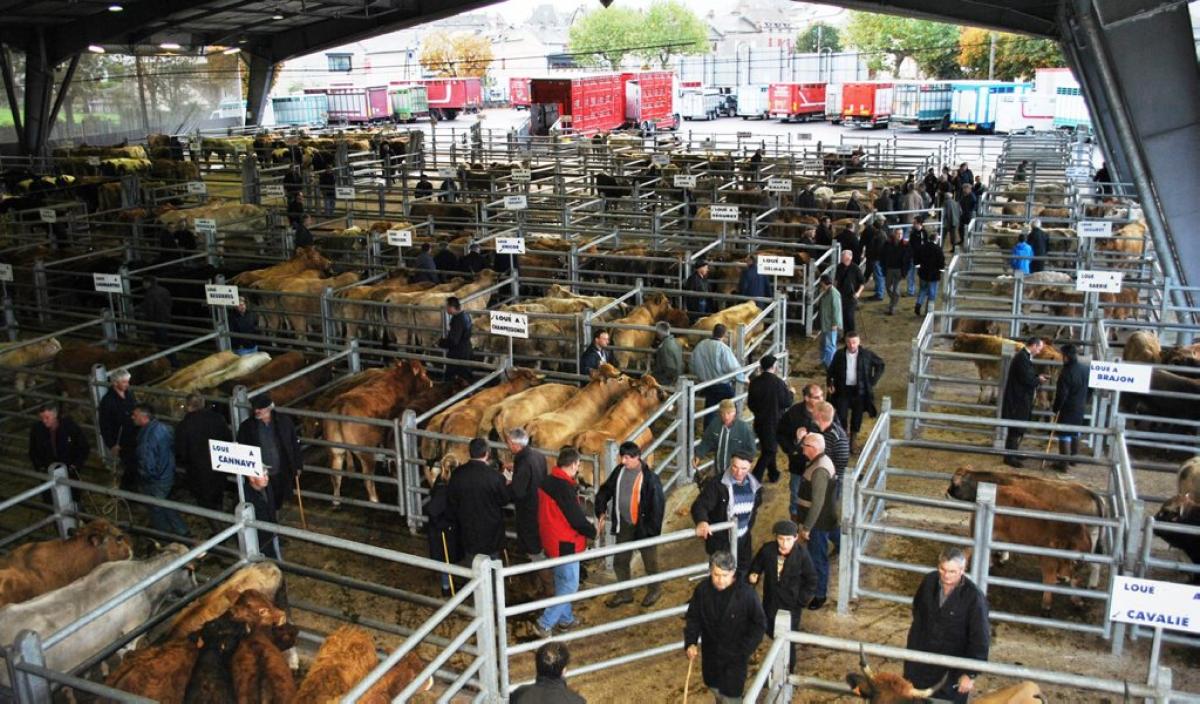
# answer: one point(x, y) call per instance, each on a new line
point(819, 37)
point(932, 45)
point(443, 54)
point(1017, 57)
point(670, 28)
point(604, 37)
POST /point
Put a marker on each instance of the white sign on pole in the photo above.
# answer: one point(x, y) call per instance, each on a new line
point(446, 172)
point(205, 225)
point(510, 245)
point(273, 190)
point(344, 192)
point(803, 136)
point(660, 159)
point(1102, 281)
point(723, 213)
point(779, 185)
point(93, 161)
point(745, 135)
point(48, 215)
point(235, 458)
point(399, 238)
point(770, 265)
point(1119, 376)
point(685, 180)
point(108, 283)
point(521, 175)
point(220, 295)
point(1078, 173)
point(1147, 602)
point(197, 188)
point(6, 272)
point(510, 324)
point(1094, 228)
point(515, 202)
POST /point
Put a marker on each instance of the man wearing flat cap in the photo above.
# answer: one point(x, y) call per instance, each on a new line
point(275, 436)
point(788, 577)
point(768, 398)
point(725, 435)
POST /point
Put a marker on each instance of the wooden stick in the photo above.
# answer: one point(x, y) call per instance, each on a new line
point(446, 553)
point(687, 684)
point(1050, 442)
point(300, 501)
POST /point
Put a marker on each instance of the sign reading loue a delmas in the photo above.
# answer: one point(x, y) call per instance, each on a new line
point(1154, 604)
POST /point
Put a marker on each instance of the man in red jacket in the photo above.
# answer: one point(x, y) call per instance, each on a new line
point(565, 530)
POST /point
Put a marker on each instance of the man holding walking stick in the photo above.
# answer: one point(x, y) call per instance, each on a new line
point(725, 623)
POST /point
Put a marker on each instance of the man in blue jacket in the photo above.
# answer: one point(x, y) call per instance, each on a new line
point(753, 284)
point(156, 468)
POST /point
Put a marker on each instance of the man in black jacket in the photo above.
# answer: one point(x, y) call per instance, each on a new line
point(477, 496)
point(849, 282)
point(457, 341)
point(528, 470)
point(275, 436)
point(768, 398)
point(896, 258)
point(54, 438)
point(931, 259)
point(1039, 241)
point(1070, 402)
point(425, 269)
point(725, 617)
point(1019, 389)
point(445, 260)
point(200, 425)
point(424, 187)
point(633, 496)
point(596, 353)
point(701, 304)
point(734, 495)
point(116, 426)
point(950, 617)
point(473, 262)
point(801, 416)
point(851, 381)
point(788, 577)
point(243, 322)
point(550, 687)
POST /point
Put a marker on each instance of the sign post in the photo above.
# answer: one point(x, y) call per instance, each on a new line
point(1099, 281)
point(1119, 376)
point(110, 284)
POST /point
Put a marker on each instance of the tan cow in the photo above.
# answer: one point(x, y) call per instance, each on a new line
point(1142, 346)
point(36, 568)
point(427, 310)
point(189, 374)
point(24, 356)
point(263, 577)
point(731, 317)
point(622, 418)
point(993, 346)
point(550, 431)
point(304, 258)
point(653, 309)
point(515, 411)
point(300, 298)
point(518, 380)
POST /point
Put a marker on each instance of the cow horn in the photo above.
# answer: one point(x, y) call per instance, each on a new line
point(862, 663)
point(927, 693)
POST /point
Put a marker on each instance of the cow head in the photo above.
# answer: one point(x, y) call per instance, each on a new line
point(525, 374)
point(253, 608)
point(963, 484)
point(885, 687)
point(108, 539)
point(313, 259)
point(677, 318)
point(605, 371)
point(220, 634)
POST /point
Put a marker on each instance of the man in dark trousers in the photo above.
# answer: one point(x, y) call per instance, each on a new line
point(768, 398)
point(565, 530)
point(116, 426)
point(968, 202)
point(896, 258)
point(442, 533)
point(457, 341)
point(199, 425)
point(528, 471)
point(851, 381)
point(275, 436)
point(597, 353)
point(668, 355)
point(848, 280)
point(732, 495)
point(1019, 390)
point(950, 617)
point(699, 304)
point(1070, 402)
point(1039, 241)
point(477, 495)
point(550, 687)
point(726, 619)
point(156, 309)
point(788, 577)
point(303, 236)
point(243, 322)
point(931, 259)
point(425, 268)
point(633, 496)
point(55, 438)
point(818, 510)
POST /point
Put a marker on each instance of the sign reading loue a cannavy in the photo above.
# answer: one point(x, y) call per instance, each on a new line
point(234, 458)
point(1147, 602)
point(1119, 376)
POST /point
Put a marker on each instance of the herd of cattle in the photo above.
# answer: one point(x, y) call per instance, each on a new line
point(232, 644)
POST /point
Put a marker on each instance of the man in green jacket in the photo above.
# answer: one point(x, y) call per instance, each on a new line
point(829, 318)
point(668, 357)
point(725, 435)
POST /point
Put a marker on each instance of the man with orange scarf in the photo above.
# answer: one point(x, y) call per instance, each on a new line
point(633, 495)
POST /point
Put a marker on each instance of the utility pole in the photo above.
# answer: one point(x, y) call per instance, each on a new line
point(992, 56)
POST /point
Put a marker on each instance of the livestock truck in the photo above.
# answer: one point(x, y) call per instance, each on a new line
point(450, 96)
point(518, 93)
point(754, 101)
point(833, 103)
point(300, 110)
point(700, 103)
point(1028, 112)
point(975, 103)
point(603, 102)
point(356, 105)
point(867, 104)
point(408, 101)
point(925, 104)
point(798, 101)
point(1070, 109)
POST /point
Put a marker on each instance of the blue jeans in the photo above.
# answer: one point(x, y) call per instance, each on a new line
point(243, 351)
point(912, 280)
point(828, 347)
point(164, 520)
point(879, 276)
point(928, 292)
point(818, 550)
point(794, 493)
point(566, 581)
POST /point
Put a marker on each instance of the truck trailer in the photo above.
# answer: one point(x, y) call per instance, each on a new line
point(925, 104)
point(355, 105)
point(833, 103)
point(450, 96)
point(299, 110)
point(754, 101)
point(867, 104)
point(603, 102)
point(975, 103)
point(798, 101)
point(518, 93)
point(409, 102)
point(700, 103)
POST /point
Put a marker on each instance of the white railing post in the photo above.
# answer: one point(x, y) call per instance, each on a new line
point(985, 515)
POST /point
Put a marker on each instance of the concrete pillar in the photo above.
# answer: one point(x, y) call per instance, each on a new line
point(262, 71)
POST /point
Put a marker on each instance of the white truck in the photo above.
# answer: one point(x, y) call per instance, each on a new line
point(699, 103)
point(754, 101)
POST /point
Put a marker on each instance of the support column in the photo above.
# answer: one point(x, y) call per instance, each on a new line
point(262, 72)
point(39, 84)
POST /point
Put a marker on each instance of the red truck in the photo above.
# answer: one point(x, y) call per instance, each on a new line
point(590, 104)
point(867, 104)
point(354, 105)
point(450, 96)
point(797, 101)
point(518, 93)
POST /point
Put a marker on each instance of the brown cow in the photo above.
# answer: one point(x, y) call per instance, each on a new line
point(382, 397)
point(260, 671)
point(346, 656)
point(37, 568)
point(261, 577)
point(629, 411)
point(159, 672)
point(731, 317)
point(305, 258)
point(77, 360)
point(300, 298)
point(889, 688)
point(395, 680)
point(279, 367)
point(550, 431)
point(653, 309)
